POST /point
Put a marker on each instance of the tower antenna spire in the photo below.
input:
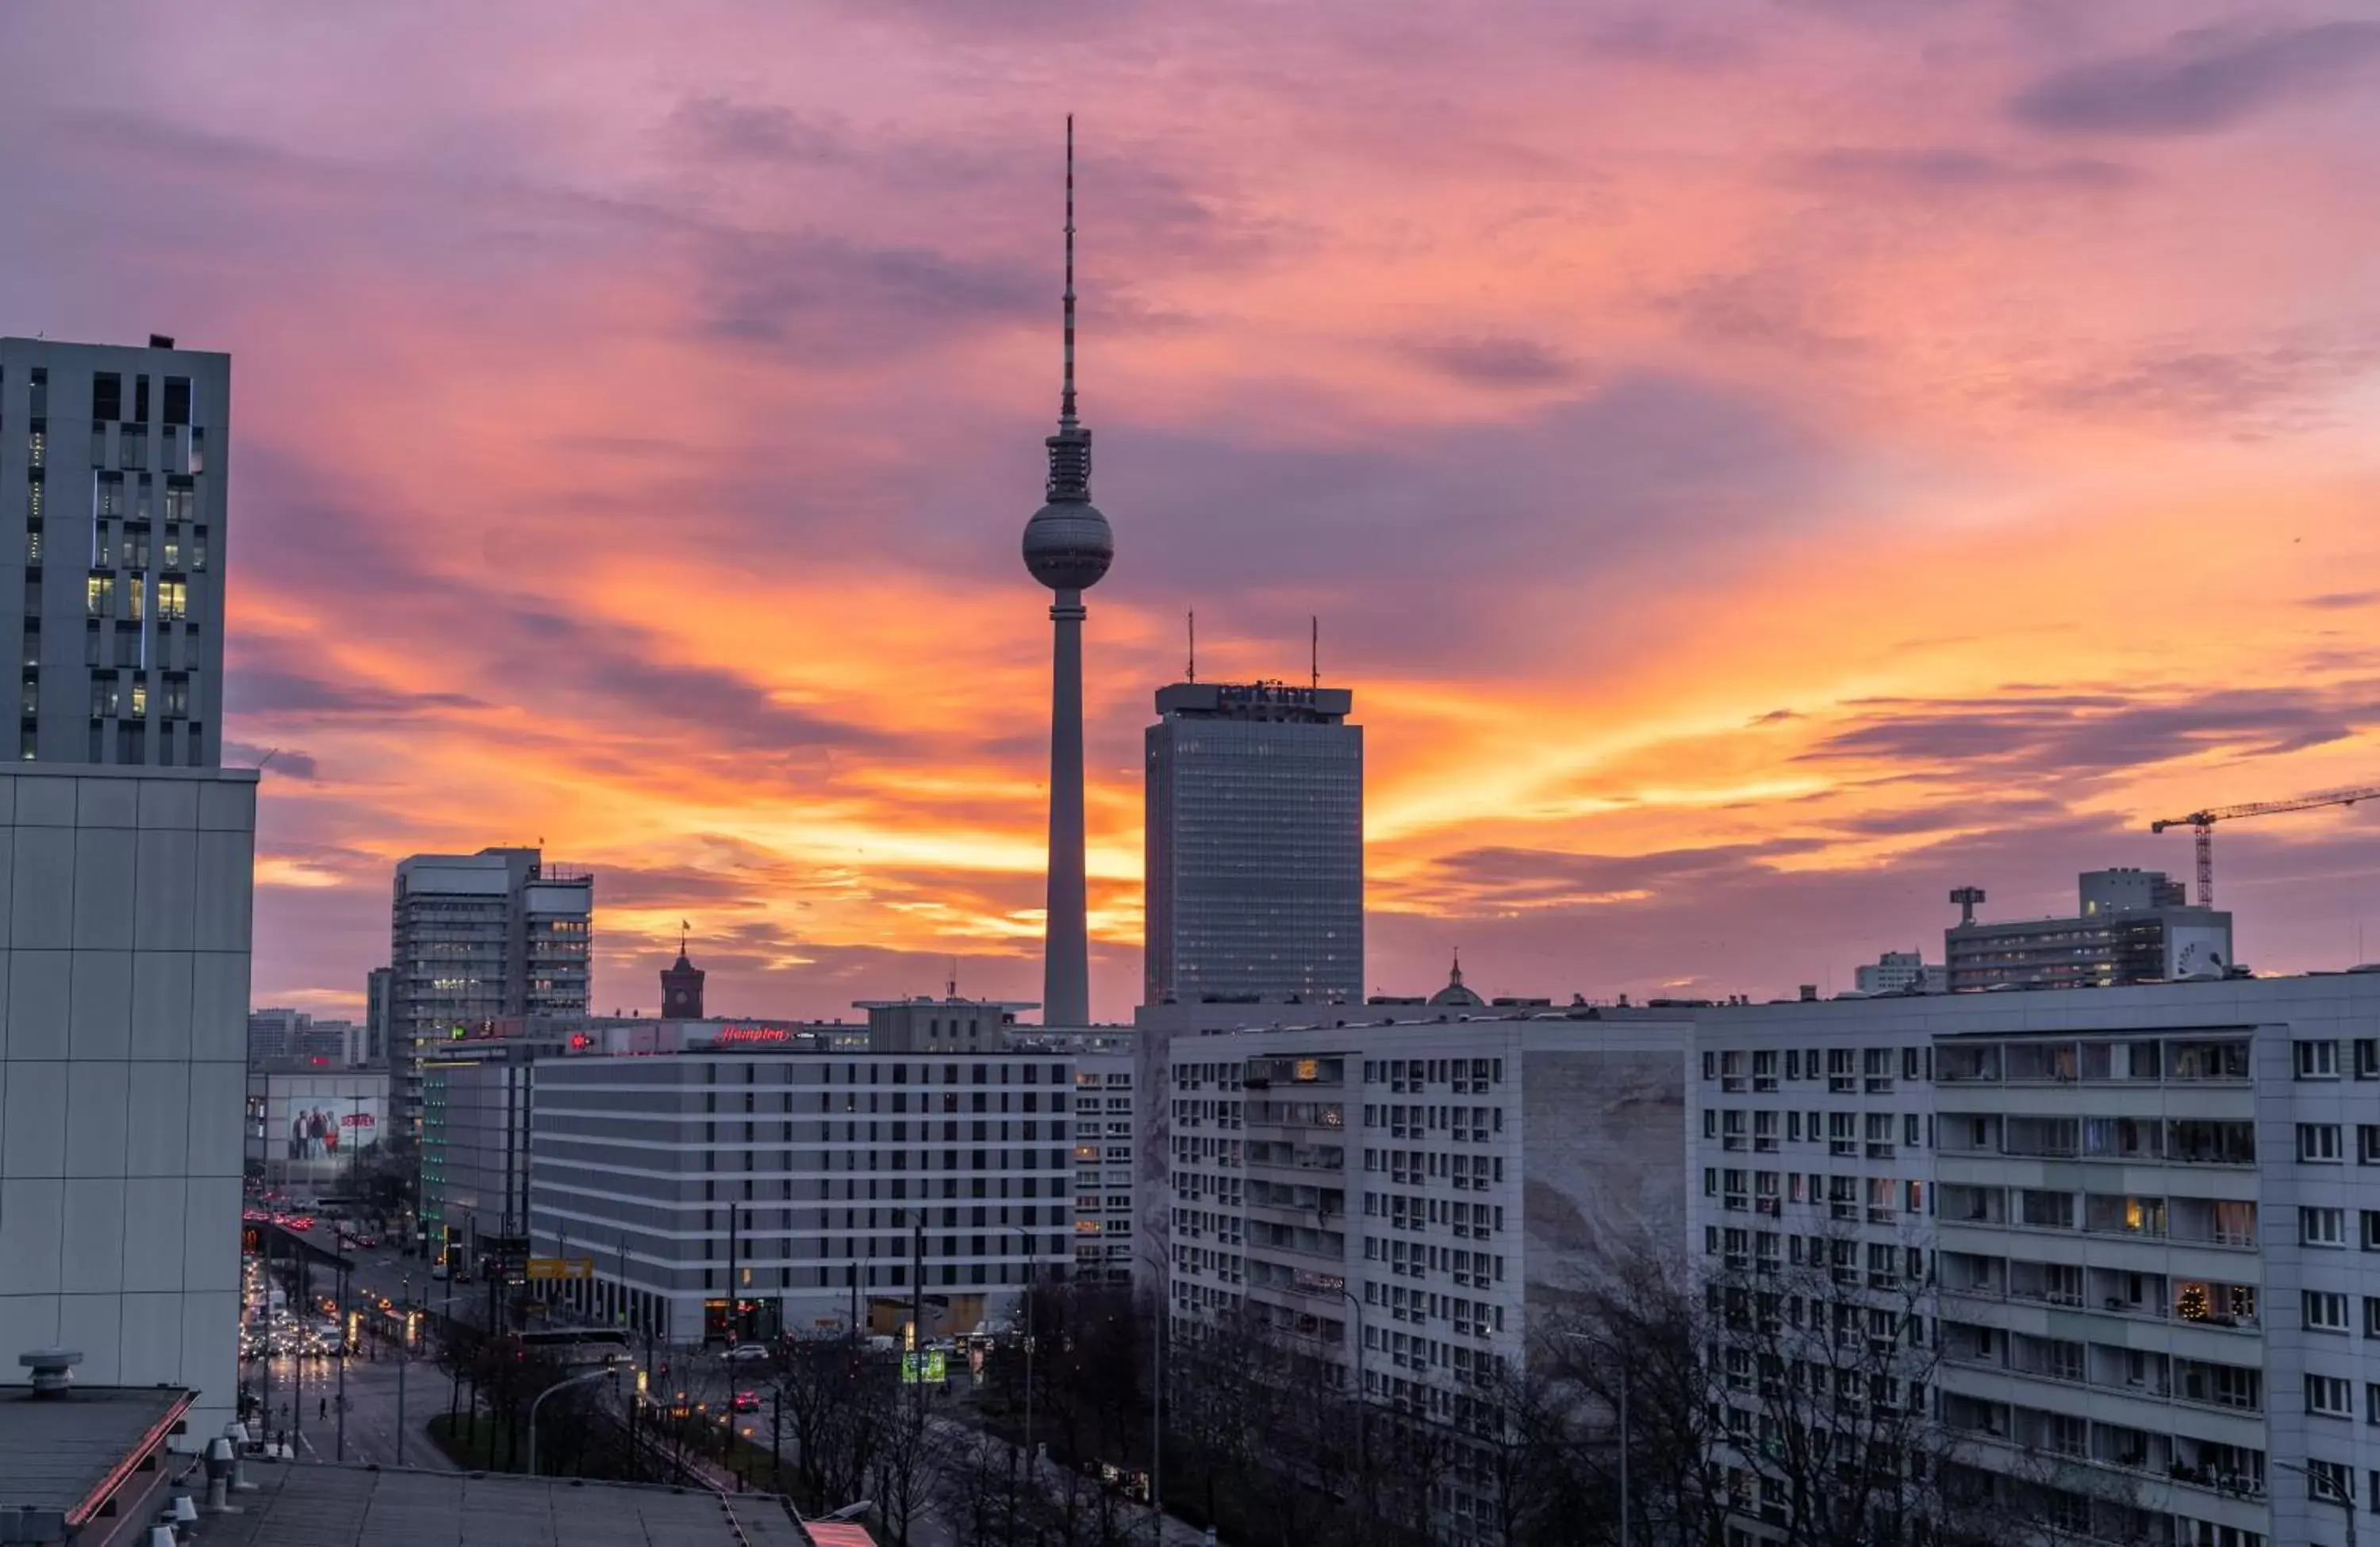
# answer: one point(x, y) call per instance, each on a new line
point(1194, 661)
point(1066, 397)
point(1314, 650)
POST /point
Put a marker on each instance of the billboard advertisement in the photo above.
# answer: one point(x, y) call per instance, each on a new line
point(310, 1130)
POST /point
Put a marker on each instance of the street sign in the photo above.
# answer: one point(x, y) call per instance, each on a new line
point(561, 1267)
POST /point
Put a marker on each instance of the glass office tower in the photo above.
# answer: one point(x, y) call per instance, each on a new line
point(1256, 845)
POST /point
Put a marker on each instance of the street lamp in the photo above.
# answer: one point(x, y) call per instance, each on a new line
point(1157, 1393)
point(539, 1401)
point(1349, 1296)
point(1030, 1275)
point(2327, 1484)
point(404, 1352)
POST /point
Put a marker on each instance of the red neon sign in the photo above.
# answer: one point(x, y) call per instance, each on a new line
point(753, 1034)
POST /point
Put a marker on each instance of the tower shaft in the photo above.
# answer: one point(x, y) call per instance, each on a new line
point(1065, 961)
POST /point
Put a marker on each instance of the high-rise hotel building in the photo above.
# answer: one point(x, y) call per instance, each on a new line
point(1255, 846)
point(127, 861)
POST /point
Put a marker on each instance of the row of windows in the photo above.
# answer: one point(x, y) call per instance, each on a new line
point(1843, 1132)
point(1844, 1069)
point(2327, 1228)
point(2316, 1058)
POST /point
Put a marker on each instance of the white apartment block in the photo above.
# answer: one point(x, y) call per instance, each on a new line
point(1394, 1200)
point(811, 1180)
point(1104, 1242)
point(2145, 1222)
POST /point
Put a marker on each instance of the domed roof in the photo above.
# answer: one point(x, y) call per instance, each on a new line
point(1454, 995)
point(1067, 544)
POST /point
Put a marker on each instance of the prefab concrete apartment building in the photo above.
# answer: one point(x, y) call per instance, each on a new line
point(1395, 1200)
point(2142, 1224)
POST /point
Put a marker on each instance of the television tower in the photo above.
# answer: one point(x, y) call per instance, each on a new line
point(1067, 548)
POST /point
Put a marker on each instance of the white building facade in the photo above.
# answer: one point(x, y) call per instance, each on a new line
point(1901, 973)
point(2143, 1224)
point(818, 1183)
point(124, 949)
point(1394, 1202)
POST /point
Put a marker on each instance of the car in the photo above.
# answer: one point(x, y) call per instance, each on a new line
point(746, 1353)
point(746, 1401)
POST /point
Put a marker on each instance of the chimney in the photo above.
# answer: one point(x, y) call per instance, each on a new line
point(52, 1370)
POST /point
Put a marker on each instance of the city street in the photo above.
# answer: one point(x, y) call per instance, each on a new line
point(301, 1387)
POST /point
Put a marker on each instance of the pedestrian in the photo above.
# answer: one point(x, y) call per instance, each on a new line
point(322, 1408)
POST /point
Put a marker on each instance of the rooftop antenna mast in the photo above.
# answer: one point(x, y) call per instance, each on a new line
point(1313, 651)
point(1193, 647)
point(1066, 398)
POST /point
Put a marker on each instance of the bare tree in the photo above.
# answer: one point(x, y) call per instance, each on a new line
point(835, 1395)
point(904, 1462)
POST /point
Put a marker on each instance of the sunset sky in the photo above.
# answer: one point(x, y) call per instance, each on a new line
point(1759, 464)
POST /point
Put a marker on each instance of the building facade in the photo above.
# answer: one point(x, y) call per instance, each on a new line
point(818, 1184)
point(289, 1040)
point(124, 942)
point(130, 859)
point(946, 1024)
point(1395, 1202)
point(1902, 972)
point(380, 992)
point(2129, 1228)
point(476, 1104)
point(1254, 846)
point(474, 937)
point(308, 1132)
point(2130, 926)
point(113, 470)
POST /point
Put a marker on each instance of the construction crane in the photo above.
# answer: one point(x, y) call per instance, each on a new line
point(2201, 825)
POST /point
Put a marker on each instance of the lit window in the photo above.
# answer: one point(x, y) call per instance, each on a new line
point(98, 595)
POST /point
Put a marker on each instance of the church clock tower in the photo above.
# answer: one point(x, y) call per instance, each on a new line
point(681, 986)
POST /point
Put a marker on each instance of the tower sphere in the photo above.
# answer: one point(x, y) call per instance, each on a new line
point(1067, 545)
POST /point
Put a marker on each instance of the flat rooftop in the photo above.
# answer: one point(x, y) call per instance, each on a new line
point(57, 1453)
point(309, 1505)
